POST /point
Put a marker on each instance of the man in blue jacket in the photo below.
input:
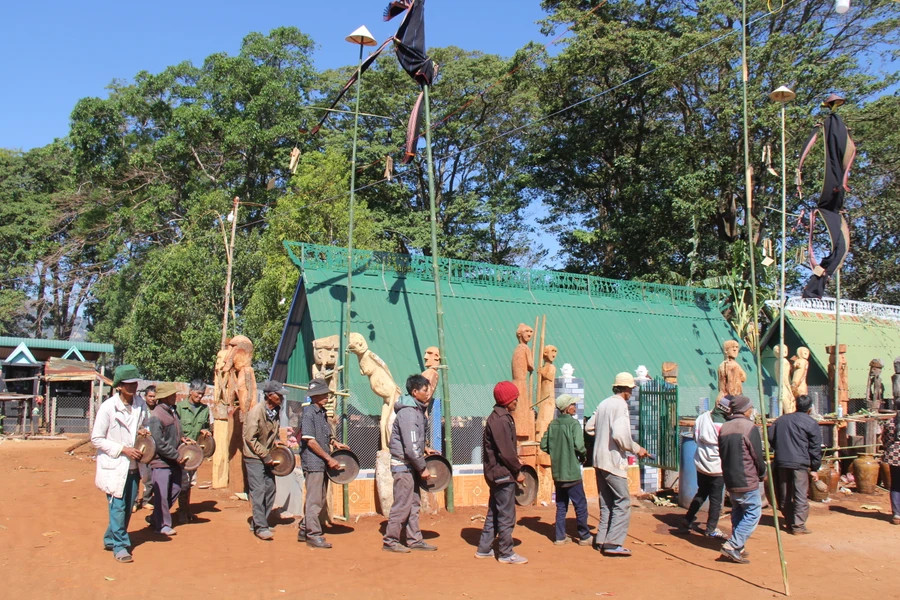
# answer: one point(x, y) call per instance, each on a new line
point(797, 442)
point(408, 468)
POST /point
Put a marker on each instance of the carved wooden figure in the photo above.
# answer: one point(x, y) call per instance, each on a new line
point(801, 369)
point(223, 401)
point(895, 380)
point(522, 365)
point(783, 372)
point(731, 375)
point(325, 353)
point(842, 380)
point(432, 362)
point(380, 380)
point(242, 391)
point(547, 399)
point(874, 386)
point(670, 372)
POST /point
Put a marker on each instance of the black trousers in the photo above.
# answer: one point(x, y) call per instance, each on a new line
point(500, 519)
point(712, 487)
point(793, 495)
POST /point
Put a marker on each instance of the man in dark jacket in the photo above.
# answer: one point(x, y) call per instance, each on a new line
point(502, 470)
point(797, 443)
point(260, 435)
point(743, 467)
point(408, 468)
point(165, 469)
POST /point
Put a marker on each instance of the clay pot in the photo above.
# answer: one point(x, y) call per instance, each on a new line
point(831, 476)
point(865, 470)
point(885, 478)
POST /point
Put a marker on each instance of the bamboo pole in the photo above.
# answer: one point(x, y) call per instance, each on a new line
point(782, 354)
point(439, 306)
point(344, 354)
point(748, 182)
point(229, 254)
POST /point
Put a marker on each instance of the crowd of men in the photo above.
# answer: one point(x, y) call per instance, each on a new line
point(729, 456)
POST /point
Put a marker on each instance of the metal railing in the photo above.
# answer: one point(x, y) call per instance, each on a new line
point(658, 424)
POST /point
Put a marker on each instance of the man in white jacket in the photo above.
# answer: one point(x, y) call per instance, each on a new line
point(710, 483)
point(611, 429)
point(118, 422)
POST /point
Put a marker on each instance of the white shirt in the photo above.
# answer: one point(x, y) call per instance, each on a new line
point(115, 428)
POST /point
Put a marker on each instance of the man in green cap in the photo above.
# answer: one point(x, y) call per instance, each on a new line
point(564, 442)
point(194, 417)
point(116, 426)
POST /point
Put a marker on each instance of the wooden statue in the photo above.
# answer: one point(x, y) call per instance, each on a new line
point(731, 375)
point(242, 391)
point(325, 353)
point(783, 373)
point(842, 379)
point(895, 380)
point(223, 401)
point(874, 386)
point(432, 362)
point(801, 369)
point(670, 372)
point(522, 366)
point(546, 404)
point(380, 380)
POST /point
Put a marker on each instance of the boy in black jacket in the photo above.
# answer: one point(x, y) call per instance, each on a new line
point(797, 442)
point(502, 470)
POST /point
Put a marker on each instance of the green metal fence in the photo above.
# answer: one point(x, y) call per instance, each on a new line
point(658, 423)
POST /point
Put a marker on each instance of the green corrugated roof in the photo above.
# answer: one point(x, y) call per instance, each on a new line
point(866, 337)
point(600, 326)
point(56, 344)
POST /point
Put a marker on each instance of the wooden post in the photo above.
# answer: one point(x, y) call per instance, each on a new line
point(53, 415)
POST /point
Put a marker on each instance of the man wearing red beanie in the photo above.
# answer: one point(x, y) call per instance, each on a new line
point(502, 470)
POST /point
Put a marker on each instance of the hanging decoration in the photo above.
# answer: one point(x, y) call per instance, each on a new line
point(840, 151)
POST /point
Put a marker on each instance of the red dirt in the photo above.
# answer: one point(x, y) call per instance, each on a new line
point(51, 538)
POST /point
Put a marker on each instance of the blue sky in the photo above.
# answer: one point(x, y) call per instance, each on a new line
point(58, 52)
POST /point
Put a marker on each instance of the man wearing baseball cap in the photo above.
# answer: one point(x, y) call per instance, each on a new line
point(743, 467)
point(167, 468)
point(502, 470)
point(260, 437)
point(611, 428)
point(564, 442)
point(116, 426)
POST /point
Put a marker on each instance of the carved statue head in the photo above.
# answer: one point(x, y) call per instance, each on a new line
point(567, 371)
point(432, 357)
point(732, 348)
point(524, 333)
point(241, 351)
point(876, 364)
point(223, 359)
point(803, 352)
point(357, 344)
point(325, 351)
point(897, 365)
point(550, 353)
point(781, 351)
point(642, 372)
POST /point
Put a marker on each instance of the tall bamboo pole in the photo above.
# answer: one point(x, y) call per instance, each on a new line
point(344, 356)
point(837, 342)
point(229, 250)
point(748, 182)
point(439, 305)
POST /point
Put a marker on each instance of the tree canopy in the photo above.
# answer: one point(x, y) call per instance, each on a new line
point(624, 143)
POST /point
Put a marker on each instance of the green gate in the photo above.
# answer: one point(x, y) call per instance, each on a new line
point(658, 423)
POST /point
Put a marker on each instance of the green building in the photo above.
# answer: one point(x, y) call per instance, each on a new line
point(600, 326)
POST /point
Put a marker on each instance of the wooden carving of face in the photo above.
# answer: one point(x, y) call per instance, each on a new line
point(550, 353)
point(732, 348)
point(432, 357)
point(524, 333)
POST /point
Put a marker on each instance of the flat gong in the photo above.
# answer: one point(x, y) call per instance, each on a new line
point(190, 456)
point(207, 444)
point(147, 448)
point(348, 469)
point(440, 471)
point(283, 459)
point(527, 491)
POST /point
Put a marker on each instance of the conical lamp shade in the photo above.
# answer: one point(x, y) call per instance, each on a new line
point(362, 37)
point(782, 94)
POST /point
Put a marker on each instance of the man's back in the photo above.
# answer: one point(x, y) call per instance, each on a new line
point(796, 441)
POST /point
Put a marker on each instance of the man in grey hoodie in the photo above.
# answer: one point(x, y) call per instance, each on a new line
point(408, 468)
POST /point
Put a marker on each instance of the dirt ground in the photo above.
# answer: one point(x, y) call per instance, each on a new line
point(52, 520)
